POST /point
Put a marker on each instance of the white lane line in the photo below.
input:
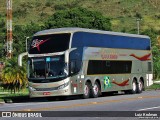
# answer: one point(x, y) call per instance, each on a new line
point(148, 108)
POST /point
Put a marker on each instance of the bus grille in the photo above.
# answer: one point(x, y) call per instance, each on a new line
point(53, 88)
point(46, 89)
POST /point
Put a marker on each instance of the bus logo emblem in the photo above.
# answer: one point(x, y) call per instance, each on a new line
point(36, 43)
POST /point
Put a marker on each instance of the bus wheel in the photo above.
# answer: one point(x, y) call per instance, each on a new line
point(95, 90)
point(140, 87)
point(87, 90)
point(134, 87)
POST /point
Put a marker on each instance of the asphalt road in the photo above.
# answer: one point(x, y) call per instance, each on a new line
point(148, 101)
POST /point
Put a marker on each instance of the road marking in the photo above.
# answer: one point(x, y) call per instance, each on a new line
point(148, 108)
point(28, 109)
point(90, 103)
point(94, 102)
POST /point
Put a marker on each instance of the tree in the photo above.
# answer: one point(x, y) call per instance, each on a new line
point(13, 76)
point(78, 17)
point(156, 61)
point(20, 34)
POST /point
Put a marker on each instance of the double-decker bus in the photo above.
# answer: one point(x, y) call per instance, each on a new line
point(86, 62)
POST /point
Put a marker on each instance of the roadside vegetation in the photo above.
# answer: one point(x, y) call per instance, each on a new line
point(154, 86)
point(13, 77)
point(5, 93)
point(6, 96)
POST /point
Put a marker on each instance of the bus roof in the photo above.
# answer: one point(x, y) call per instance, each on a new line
point(75, 29)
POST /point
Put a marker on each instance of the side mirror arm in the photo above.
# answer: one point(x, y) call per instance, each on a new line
point(20, 56)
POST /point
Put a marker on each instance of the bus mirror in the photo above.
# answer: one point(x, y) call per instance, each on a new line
point(20, 58)
point(68, 52)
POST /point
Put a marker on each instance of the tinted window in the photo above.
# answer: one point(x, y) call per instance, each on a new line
point(85, 39)
point(74, 67)
point(108, 67)
point(47, 67)
point(49, 43)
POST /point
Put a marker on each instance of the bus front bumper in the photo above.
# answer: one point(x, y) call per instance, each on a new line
point(42, 91)
point(64, 92)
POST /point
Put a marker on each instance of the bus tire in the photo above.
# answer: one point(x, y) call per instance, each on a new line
point(134, 87)
point(95, 90)
point(87, 90)
point(140, 87)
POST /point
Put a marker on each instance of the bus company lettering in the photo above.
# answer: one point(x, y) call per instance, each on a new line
point(122, 54)
point(109, 55)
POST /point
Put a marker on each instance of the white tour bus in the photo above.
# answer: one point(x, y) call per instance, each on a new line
point(78, 61)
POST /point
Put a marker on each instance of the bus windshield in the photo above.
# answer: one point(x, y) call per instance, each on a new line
point(48, 67)
point(49, 43)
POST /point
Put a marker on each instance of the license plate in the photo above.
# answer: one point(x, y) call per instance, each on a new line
point(46, 93)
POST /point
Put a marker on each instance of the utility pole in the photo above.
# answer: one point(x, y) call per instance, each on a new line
point(9, 29)
point(138, 20)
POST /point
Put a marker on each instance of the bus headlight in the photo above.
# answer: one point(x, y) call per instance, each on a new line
point(31, 88)
point(63, 86)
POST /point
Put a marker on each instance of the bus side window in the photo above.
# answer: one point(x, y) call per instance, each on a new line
point(149, 66)
point(126, 68)
point(73, 67)
point(108, 64)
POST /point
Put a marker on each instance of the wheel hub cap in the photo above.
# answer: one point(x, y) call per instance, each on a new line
point(134, 86)
point(95, 89)
point(86, 90)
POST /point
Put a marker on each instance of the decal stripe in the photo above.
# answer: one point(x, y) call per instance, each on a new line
point(124, 83)
point(142, 58)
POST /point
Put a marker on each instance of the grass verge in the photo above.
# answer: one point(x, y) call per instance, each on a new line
point(8, 97)
point(1, 100)
point(154, 86)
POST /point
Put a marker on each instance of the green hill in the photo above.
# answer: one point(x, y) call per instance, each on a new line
point(122, 12)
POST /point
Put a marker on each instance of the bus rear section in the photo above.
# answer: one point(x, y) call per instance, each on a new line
point(112, 70)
